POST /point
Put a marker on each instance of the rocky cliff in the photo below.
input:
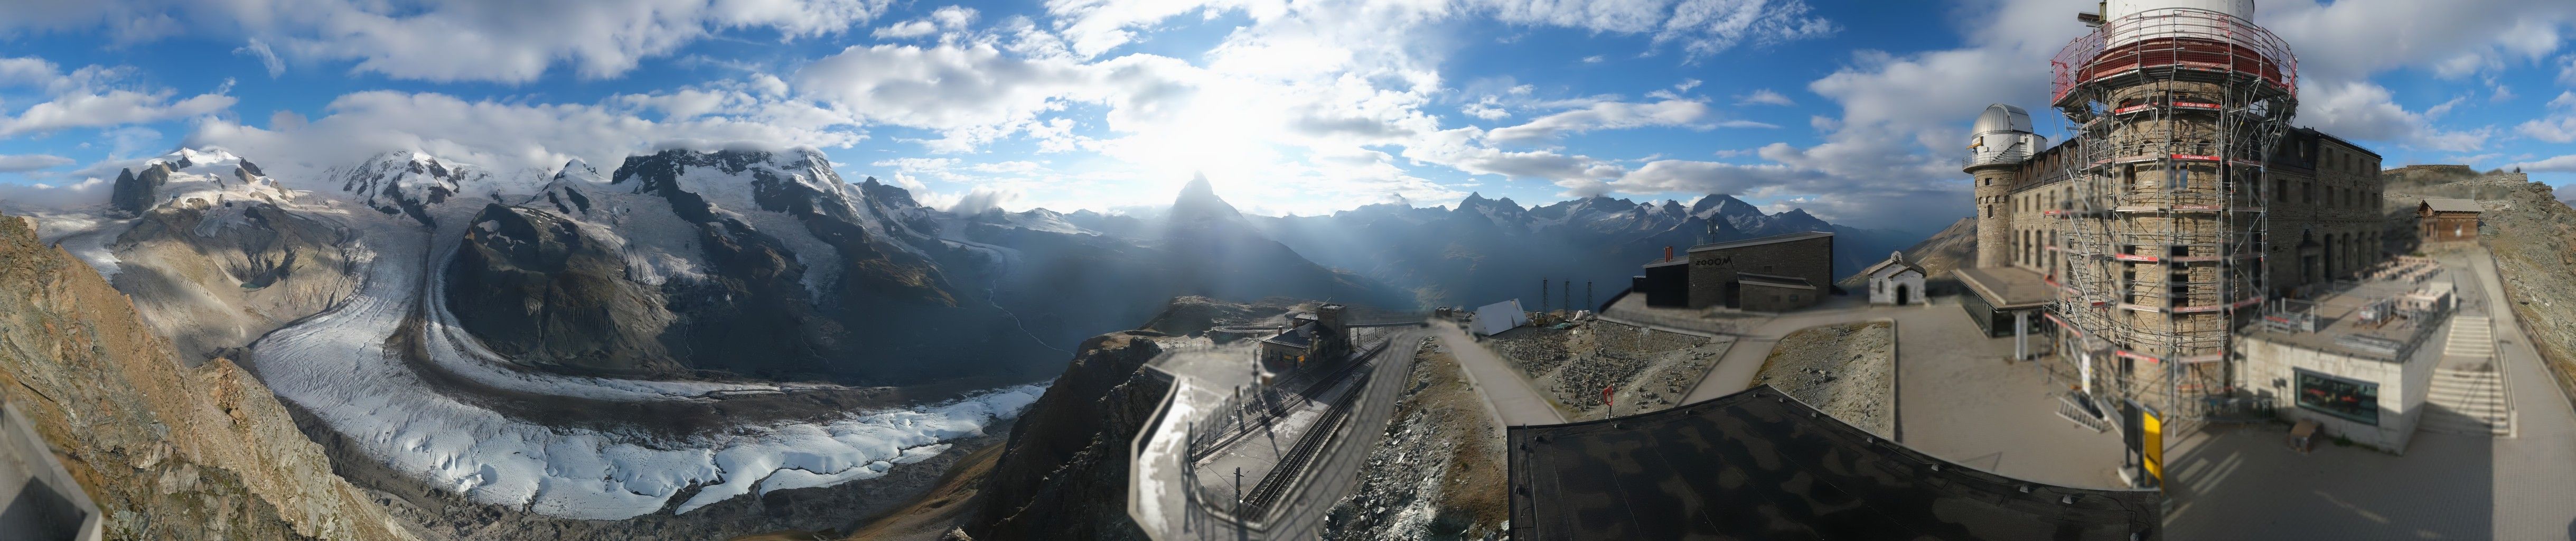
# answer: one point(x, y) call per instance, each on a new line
point(1064, 473)
point(538, 289)
point(168, 451)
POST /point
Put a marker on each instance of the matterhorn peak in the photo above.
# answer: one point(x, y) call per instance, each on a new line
point(1198, 201)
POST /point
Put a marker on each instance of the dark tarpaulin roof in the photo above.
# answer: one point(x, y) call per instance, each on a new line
point(1759, 465)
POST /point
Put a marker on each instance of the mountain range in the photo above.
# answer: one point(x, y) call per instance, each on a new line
point(694, 325)
point(1485, 250)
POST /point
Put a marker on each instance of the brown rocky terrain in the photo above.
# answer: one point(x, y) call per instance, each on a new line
point(214, 276)
point(1846, 370)
point(168, 451)
point(1650, 370)
point(1438, 471)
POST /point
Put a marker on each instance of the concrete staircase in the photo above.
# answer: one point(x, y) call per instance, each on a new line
point(2468, 392)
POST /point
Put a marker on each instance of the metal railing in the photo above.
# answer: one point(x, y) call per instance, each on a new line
point(2175, 37)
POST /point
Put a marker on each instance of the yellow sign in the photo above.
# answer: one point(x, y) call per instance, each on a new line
point(2155, 445)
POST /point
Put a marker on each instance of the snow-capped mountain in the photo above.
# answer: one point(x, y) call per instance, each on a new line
point(1484, 250)
point(208, 177)
point(592, 344)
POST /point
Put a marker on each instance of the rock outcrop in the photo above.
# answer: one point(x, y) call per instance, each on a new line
point(1064, 473)
point(168, 451)
point(214, 276)
point(539, 290)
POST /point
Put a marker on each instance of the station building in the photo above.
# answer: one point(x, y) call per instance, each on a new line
point(1777, 273)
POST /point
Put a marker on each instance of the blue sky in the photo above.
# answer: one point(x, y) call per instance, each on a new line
point(1855, 111)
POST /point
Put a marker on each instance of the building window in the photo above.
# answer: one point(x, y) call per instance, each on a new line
point(2352, 400)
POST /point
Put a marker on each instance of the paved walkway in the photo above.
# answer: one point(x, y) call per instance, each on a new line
point(1508, 396)
point(1958, 395)
point(2243, 483)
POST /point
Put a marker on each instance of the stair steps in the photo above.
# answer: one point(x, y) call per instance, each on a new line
point(2468, 396)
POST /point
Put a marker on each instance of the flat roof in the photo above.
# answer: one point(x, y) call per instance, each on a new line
point(1661, 262)
point(1759, 465)
point(1760, 241)
point(2008, 287)
point(2339, 315)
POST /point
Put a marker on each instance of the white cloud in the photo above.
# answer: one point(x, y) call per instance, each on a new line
point(2367, 111)
point(267, 58)
point(905, 30)
point(1602, 116)
point(501, 136)
point(21, 163)
point(1594, 59)
point(971, 93)
point(2349, 40)
point(89, 98)
point(2559, 164)
point(457, 40)
point(2559, 126)
point(1700, 27)
point(1765, 97)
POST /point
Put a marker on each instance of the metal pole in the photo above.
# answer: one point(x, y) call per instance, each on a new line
point(1542, 295)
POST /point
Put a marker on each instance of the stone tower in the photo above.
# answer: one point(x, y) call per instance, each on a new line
point(1997, 145)
point(2176, 105)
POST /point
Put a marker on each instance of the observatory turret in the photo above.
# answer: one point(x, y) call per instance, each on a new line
point(1997, 144)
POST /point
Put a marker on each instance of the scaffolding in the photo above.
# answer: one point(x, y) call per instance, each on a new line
point(2173, 115)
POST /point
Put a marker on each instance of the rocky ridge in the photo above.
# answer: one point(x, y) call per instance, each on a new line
point(173, 452)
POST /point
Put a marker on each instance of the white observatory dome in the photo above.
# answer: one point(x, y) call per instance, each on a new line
point(2002, 134)
point(2001, 118)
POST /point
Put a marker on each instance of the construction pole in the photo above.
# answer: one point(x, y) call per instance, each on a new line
point(1569, 294)
point(1587, 294)
point(1542, 295)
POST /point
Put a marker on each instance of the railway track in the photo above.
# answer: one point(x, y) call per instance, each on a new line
point(1293, 465)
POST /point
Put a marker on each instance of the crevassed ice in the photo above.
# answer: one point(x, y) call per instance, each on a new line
point(334, 364)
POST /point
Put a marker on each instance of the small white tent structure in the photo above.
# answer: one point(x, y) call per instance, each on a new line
point(1498, 317)
point(1895, 281)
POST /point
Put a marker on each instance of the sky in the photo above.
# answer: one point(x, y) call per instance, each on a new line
point(1855, 111)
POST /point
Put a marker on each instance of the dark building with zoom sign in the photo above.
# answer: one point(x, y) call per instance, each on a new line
point(1716, 269)
point(1760, 465)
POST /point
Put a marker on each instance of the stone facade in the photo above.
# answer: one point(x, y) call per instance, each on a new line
point(2323, 212)
point(1713, 267)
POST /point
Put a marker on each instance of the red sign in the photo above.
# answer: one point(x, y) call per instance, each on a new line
point(1605, 394)
point(2197, 157)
